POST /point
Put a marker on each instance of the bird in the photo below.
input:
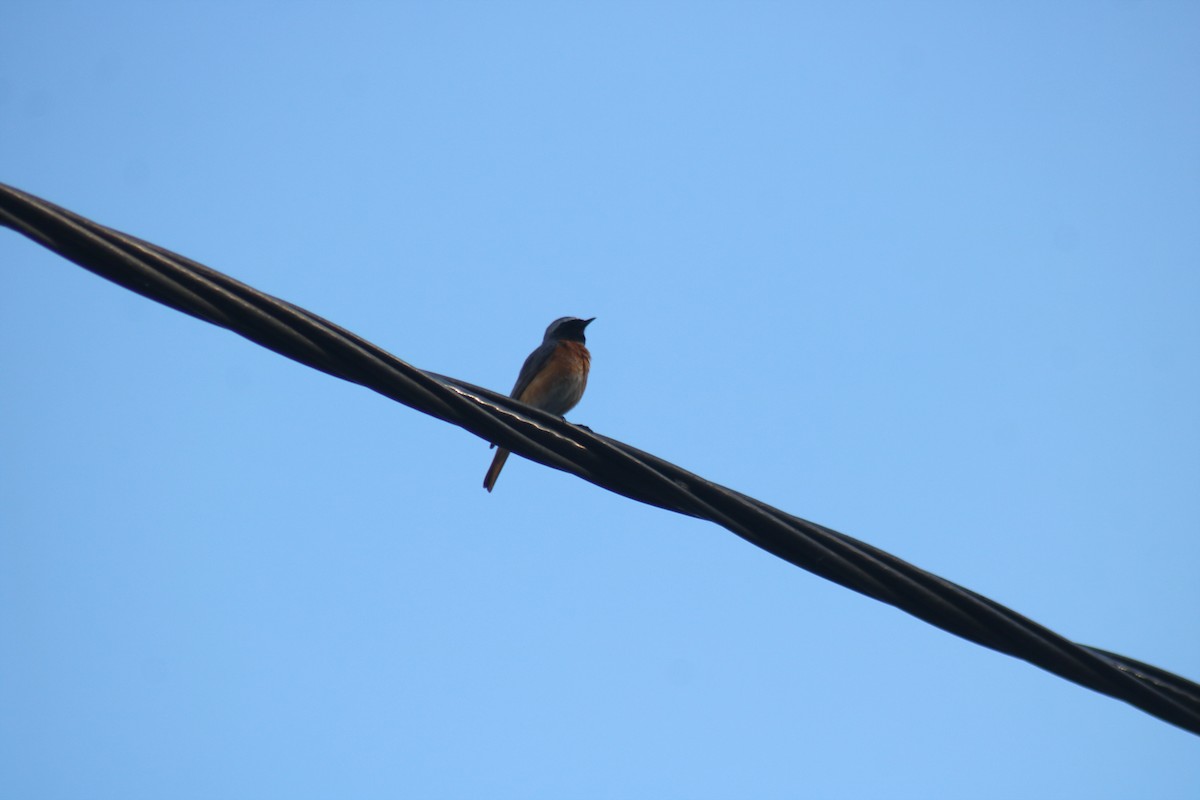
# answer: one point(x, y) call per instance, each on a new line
point(552, 378)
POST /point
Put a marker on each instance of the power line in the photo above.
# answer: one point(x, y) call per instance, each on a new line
point(289, 330)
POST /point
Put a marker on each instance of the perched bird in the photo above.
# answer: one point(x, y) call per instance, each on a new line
point(553, 377)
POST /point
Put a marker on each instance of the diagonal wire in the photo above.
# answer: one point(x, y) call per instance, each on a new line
point(291, 331)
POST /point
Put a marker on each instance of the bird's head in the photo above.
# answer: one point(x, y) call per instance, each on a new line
point(568, 329)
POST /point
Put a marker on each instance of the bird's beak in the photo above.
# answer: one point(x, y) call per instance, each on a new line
point(587, 322)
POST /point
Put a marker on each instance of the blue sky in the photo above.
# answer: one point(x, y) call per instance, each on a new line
point(927, 273)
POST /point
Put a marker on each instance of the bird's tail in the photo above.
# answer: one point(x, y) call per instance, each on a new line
point(493, 472)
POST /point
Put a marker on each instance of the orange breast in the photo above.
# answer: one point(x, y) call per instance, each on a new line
point(560, 384)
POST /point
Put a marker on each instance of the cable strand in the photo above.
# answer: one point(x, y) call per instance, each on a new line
point(202, 292)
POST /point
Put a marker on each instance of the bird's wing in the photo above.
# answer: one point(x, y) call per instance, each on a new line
point(532, 366)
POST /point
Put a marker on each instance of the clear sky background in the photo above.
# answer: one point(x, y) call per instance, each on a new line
point(928, 273)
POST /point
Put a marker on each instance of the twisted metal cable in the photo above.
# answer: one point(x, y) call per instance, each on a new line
point(291, 331)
